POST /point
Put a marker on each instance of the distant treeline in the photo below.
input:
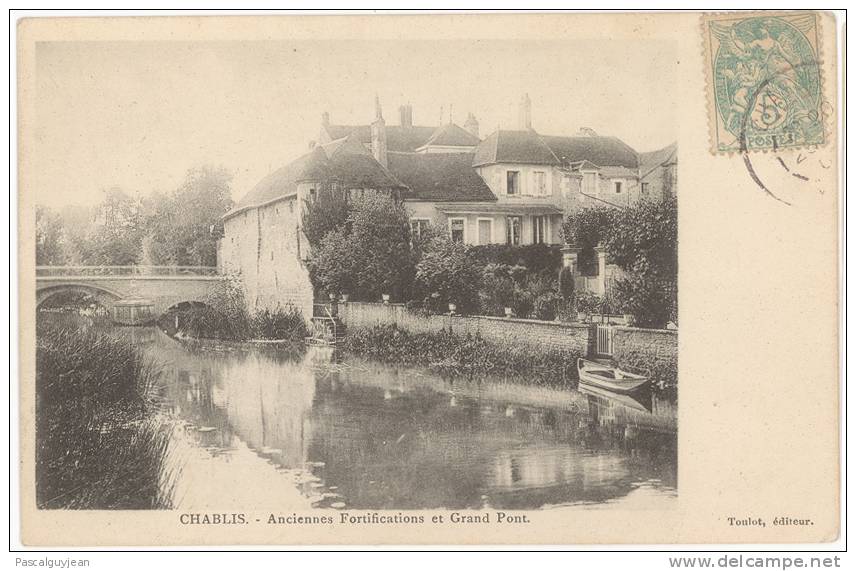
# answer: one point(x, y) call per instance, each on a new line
point(177, 228)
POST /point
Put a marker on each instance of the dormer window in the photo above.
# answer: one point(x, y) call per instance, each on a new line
point(512, 182)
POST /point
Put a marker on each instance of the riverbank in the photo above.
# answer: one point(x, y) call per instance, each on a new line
point(101, 442)
point(467, 355)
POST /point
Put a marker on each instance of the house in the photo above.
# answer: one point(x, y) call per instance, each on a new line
point(512, 187)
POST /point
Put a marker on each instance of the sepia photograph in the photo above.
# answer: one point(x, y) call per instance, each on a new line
point(390, 279)
point(408, 291)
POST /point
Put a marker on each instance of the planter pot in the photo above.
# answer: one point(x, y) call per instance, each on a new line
point(628, 319)
point(452, 307)
point(582, 317)
point(333, 296)
point(346, 297)
point(385, 297)
point(509, 312)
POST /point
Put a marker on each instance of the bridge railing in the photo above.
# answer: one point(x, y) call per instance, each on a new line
point(60, 271)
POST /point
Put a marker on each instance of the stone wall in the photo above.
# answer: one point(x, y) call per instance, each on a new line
point(649, 351)
point(538, 335)
point(262, 247)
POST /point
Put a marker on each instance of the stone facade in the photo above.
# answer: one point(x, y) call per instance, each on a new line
point(262, 247)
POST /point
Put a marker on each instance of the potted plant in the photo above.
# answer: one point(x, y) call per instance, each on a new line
point(509, 312)
point(332, 296)
point(385, 297)
point(452, 307)
point(346, 297)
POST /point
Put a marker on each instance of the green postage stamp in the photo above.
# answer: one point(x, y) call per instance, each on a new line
point(763, 80)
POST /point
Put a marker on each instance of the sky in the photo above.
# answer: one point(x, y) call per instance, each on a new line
point(138, 115)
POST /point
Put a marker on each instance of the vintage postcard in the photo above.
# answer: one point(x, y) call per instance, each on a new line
point(429, 279)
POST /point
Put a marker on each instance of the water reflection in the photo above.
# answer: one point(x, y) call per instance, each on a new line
point(288, 430)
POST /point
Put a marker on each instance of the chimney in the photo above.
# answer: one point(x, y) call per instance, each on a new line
point(379, 135)
point(325, 119)
point(405, 116)
point(524, 117)
point(472, 125)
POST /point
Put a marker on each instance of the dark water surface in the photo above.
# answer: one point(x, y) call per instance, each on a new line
point(276, 429)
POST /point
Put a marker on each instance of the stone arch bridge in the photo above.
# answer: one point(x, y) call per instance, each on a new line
point(155, 287)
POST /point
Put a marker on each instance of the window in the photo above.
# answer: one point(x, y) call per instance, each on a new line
point(311, 195)
point(485, 230)
point(418, 226)
point(512, 230)
point(617, 187)
point(539, 229)
point(512, 182)
point(540, 183)
point(645, 188)
point(456, 229)
point(590, 183)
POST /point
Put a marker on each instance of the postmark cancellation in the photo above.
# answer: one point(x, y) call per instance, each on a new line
point(763, 80)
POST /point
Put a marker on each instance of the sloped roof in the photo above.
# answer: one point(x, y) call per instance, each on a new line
point(652, 159)
point(452, 135)
point(602, 151)
point(528, 147)
point(345, 160)
point(514, 147)
point(398, 138)
point(439, 177)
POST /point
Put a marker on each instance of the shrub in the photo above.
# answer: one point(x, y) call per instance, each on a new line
point(646, 300)
point(547, 306)
point(496, 293)
point(469, 355)
point(588, 302)
point(445, 274)
point(535, 258)
point(332, 266)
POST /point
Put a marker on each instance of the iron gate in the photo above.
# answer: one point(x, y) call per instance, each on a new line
point(604, 340)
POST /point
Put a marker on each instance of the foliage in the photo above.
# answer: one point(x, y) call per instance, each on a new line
point(49, 238)
point(224, 316)
point(329, 211)
point(646, 300)
point(469, 355)
point(445, 270)
point(547, 306)
point(495, 294)
point(534, 258)
point(183, 228)
point(332, 266)
point(586, 228)
point(369, 256)
point(566, 284)
point(643, 239)
point(100, 443)
point(588, 302)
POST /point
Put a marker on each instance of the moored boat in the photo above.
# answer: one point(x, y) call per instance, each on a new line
point(609, 378)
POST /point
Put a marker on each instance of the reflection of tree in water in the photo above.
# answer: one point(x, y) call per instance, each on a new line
point(388, 444)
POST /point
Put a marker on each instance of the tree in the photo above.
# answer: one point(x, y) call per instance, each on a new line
point(330, 210)
point(446, 274)
point(183, 228)
point(116, 232)
point(643, 241)
point(369, 254)
point(585, 229)
point(50, 249)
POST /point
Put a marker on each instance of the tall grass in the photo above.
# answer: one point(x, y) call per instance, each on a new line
point(203, 321)
point(469, 355)
point(100, 441)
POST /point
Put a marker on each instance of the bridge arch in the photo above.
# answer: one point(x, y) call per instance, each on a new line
point(105, 296)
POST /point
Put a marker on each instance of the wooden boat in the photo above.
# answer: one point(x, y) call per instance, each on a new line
point(609, 378)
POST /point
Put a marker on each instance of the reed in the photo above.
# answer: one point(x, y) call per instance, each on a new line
point(101, 442)
point(466, 355)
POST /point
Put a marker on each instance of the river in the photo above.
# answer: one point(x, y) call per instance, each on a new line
point(274, 429)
